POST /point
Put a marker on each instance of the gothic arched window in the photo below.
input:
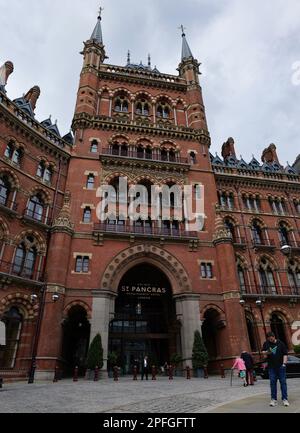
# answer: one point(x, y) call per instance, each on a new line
point(294, 277)
point(163, 111)
point(36, 207)
point(231, 227)
point(258, 233)
point(5, 189)
point(267, 278)
point(41, 169)
point(284, 234)
point(121, 104)
point(25, 258)
point(142, 108)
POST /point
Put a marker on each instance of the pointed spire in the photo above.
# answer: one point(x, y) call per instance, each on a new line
point(149, 60)
point(128, 57)
point(97, 33)
point(186, 51)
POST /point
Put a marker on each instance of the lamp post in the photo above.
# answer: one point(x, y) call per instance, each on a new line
point(260, 305)
point(34, 298)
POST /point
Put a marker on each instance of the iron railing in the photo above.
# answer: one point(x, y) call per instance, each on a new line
point(20, 271)
point(145, 230)
point(276, 290)
point(9, 204)
point(144, 156)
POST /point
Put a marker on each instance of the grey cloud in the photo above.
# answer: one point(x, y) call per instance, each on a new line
point(246, 49)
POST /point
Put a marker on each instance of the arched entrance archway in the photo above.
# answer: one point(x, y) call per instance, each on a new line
point(210, 331)
point(13, 320)
point(278, 327)
point(145, 318)
point(76, 335)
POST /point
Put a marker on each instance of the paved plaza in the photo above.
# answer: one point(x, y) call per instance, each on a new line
point(127, 396)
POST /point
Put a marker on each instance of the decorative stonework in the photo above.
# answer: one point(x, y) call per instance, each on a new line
point(63, 221)
point(162, 259)
point(281, 312)
point(78, 303)
point(14, 181)
point(22, 301)
point(39, 241)
point(221, 232)
point(153, 172)
point(213, 307)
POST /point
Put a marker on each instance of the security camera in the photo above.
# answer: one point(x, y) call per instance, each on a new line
point(34, 298)
point(55, 297)
point(286, 249)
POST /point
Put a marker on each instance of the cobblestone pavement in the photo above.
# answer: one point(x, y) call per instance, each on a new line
point(127, 396)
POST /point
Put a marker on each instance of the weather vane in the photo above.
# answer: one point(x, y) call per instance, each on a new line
point(182, 29)
point(101, 9)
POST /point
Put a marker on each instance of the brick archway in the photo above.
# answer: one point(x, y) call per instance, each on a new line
point(160, 258)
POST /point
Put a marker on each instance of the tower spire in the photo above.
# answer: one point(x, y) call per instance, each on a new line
point(186, 51)
point(97, 33)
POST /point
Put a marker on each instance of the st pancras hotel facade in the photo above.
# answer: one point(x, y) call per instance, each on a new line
point(145, 286)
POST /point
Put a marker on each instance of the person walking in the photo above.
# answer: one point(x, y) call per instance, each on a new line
point(240, 365)
point(277, 356)
point(145, 368)
point(249, 363)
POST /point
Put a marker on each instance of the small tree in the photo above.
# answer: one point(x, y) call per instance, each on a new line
point(297, 349)
point(175, 359)
point(112, 359)
point(95, 354)
point(200, 355)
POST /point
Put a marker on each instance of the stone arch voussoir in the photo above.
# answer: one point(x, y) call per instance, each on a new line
point(160, 258)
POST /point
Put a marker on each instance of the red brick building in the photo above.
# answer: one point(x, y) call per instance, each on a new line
point(147, 286)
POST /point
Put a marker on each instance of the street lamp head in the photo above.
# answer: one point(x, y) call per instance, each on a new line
point(259, 303)
point(33, 298)
point(286, 249)
point(242, 302)
point(55, 297)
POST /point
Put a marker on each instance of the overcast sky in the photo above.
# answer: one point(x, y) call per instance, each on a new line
point(247, 50)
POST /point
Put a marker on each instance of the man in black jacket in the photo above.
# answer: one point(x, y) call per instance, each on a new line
point(277, 357)
point(145, 368)
point(248, 360)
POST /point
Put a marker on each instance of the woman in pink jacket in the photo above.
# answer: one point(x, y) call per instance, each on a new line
point(239, 364)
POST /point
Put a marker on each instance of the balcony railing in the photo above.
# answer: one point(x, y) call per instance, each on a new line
point(239, 241)
point(8, 204)
point(269, 290)
point(145, 230)
point(144, 156)
point(263, 243)
point(16, 270)
point(37, 217)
